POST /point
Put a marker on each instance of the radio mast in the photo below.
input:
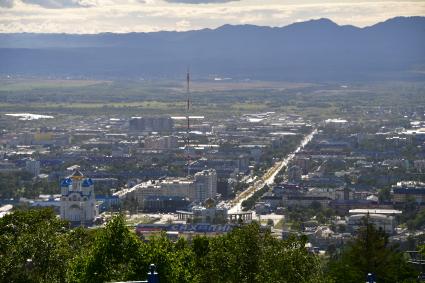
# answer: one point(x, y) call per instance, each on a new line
point(188, 120)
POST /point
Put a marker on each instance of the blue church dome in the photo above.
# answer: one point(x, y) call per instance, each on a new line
point(87, 182)
point(66, 182)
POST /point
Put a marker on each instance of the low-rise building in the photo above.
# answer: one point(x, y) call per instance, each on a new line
point(404, 191)
point(382, 219)
point(165, 142)
point(305, 201)
point(207, 213)
point(332, 193)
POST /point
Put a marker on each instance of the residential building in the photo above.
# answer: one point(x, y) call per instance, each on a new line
point(405, 191)
point(305, 200)
point(152, 124)
point(202, 186)
point(157, 142)
point(33, 166)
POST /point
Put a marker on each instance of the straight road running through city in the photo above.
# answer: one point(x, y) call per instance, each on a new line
point(268, 177)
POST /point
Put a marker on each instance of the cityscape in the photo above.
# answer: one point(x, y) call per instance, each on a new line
point(220, 165)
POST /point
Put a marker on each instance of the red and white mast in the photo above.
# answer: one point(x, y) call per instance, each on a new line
point(188, 121)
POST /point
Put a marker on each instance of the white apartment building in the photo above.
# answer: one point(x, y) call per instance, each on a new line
point(202, 186)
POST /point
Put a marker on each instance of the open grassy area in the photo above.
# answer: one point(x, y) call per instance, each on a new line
point(213, 99)
point(279, 224)
point(134, 220)
point(27, 85)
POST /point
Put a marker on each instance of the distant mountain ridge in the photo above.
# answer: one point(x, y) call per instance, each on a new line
point(305, 51)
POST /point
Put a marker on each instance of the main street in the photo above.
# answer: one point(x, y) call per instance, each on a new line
point(235, 205)
point(268, 178)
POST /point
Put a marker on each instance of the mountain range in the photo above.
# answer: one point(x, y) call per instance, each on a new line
point(315, 50)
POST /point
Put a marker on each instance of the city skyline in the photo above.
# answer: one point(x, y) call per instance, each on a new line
point(95, 16)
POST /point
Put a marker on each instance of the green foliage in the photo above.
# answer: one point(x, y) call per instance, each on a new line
point(412, 215)
point(278, 179)
point(114, 253)
point(371, 252)
point(234, 257)
point(249, 255)
point(250, 202)
point(291, 262)
point(384, 194)
point(418, 221)
point(302, 214)
point(33, 247)
point(22, 184)
point(240, 186)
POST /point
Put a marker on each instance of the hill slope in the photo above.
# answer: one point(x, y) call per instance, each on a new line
point(306, 51)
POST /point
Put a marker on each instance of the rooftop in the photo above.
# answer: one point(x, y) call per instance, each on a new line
point(374, 211)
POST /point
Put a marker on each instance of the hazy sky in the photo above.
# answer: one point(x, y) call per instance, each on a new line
point(92, 16)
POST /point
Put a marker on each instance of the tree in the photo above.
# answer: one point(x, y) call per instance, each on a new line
point(384, 194)
point(316, 206)
point(249, 254)
point(410, 210)
point(371, 252)
point(249, 203)
point(33, 247)
point(278, 179)
point(418, 221)
point(116, 254)
point(175, 261)
point(288, 261)
point(270, 222)
point(233, 257)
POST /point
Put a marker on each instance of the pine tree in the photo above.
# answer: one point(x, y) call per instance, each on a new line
point(371, 252)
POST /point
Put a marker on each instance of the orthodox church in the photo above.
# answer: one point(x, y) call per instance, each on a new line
point(78, 204)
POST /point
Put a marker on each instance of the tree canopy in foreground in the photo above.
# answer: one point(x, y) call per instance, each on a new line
point(371, 252)
point(35, 246)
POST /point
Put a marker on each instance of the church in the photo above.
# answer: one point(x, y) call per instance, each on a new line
point(78, 204)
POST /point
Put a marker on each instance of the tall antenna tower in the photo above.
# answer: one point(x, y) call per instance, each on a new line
point(188, 120)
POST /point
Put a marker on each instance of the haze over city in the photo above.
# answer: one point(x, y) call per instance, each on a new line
point(94, 16)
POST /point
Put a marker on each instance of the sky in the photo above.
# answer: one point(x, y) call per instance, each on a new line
point(95, 16)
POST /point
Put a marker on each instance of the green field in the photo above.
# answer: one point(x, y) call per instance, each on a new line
point(215, 99)
point(28, 85)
